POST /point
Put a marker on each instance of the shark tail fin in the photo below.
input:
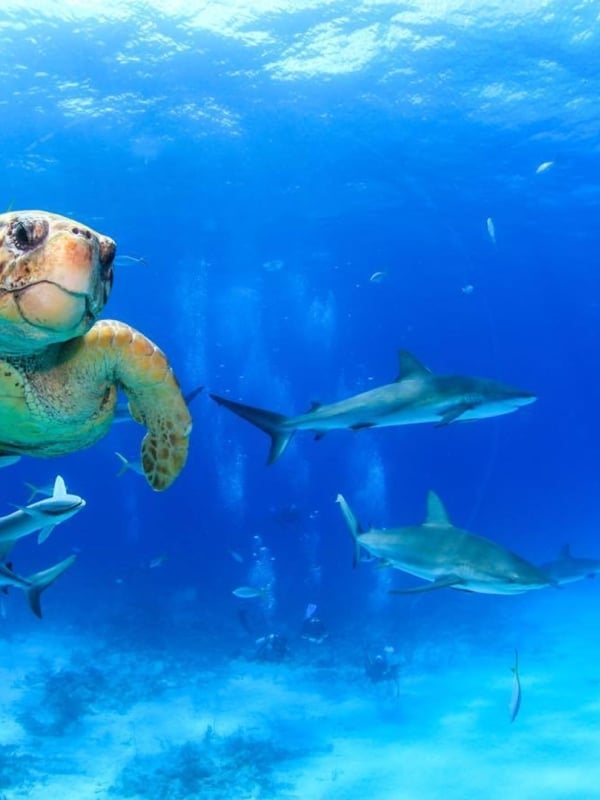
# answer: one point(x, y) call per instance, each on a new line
point(60, 489)
point(353, 525)
point(42, 580)
point(267, 421)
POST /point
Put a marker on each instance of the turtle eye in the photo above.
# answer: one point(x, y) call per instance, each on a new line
point(28, 233)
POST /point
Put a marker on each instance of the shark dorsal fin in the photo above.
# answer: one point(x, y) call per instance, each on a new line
point(60, 490)
point(436, 513)
point(409, 365)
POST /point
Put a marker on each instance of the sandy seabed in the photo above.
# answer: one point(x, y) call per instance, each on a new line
point(88, 720)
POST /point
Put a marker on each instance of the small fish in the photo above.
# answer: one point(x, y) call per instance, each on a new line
point(134, 466)
point(377, 277)
point(247, 592)
point(544, 167)
point(157, 562)
point(122, 260)
point(310, 610)
point(515, 700)
point(491, 229)
point(43, 516)
point(236, 556)
point(468, 289)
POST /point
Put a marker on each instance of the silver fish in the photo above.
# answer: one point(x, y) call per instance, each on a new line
point(246, 592)
point(515, 700)
point(42, 516)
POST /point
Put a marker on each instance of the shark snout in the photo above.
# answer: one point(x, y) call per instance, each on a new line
point(524, 399)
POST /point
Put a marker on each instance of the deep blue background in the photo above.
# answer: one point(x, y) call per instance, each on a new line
point(198, 151)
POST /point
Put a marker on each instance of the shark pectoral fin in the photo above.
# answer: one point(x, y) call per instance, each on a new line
point(452, 414)
point(319, 435)
point(359, 426)
point(314, 405)
point(45, 533)
point(443, 582)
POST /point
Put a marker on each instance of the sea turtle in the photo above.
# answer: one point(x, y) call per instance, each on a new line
point(60, 369)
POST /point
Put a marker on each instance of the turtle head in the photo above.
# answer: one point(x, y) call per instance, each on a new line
point(55, 278)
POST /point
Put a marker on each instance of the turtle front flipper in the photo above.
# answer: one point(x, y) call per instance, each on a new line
point(141, 369)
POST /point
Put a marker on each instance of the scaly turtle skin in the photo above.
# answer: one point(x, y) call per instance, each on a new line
point(60, 369)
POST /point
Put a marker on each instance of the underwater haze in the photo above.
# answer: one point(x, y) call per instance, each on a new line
point(299, 190)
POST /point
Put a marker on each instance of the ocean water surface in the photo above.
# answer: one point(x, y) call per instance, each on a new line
point(298, 190)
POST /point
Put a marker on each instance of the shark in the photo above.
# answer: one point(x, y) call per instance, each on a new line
point(416, 396)
point(35, 584)
point(445, 555)
point(568, 568)
point(43, 516)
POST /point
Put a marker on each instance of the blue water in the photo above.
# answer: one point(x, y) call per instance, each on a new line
point(265, 159)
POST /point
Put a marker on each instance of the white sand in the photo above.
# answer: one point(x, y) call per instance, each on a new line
point(446, 735)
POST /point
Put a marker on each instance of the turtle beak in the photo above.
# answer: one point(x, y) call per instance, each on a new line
point(106, 256)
